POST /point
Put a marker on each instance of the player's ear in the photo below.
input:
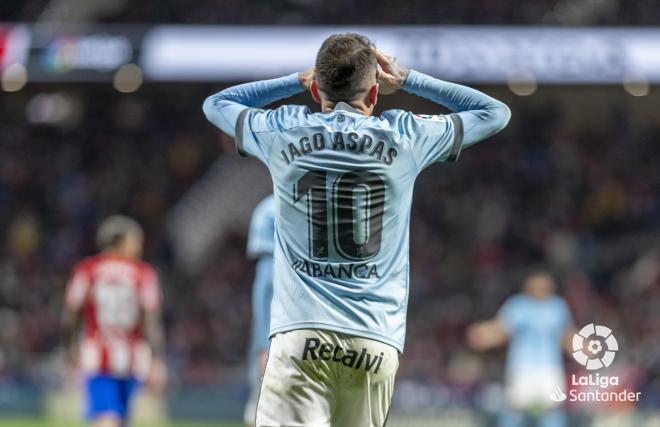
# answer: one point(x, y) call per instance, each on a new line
point(314, 90)
point(373, 95)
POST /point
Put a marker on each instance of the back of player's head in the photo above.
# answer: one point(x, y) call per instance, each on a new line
point(115, 229)
point(345, 63)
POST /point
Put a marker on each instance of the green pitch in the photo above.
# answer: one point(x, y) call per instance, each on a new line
point(28, 422)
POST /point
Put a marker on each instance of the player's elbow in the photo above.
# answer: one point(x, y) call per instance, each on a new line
point(500, 114)
point(209, 106)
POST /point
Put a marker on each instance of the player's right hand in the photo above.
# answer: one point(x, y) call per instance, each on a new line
point(477, 337)
point(391, 75)
point(306, 77)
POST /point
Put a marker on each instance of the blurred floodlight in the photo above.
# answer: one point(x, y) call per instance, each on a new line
point(636, 85)
point(128, 78)
point(14, 77)
point(53, 108)
point(522, 83)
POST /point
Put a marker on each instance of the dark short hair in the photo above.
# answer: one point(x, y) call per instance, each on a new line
point(343, 65)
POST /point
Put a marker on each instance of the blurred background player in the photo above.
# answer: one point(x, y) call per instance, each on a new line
point(261, 243)
point(117, 300)
point(537, 325)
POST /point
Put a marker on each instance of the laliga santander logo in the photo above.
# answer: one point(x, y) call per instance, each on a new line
point(594, 347)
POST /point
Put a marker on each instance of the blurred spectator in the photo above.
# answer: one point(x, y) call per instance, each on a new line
point(346, 12)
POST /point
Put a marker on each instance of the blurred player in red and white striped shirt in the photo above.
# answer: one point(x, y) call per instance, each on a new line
point(117, 299)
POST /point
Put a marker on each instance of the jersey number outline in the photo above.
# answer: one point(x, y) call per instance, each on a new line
point(355, 240)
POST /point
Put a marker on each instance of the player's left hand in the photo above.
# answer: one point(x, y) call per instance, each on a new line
point(306, 77)
point(391, 75)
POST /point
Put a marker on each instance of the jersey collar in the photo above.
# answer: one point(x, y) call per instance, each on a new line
point(343, 106)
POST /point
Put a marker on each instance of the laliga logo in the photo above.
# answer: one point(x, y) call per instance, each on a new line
point(594, 347)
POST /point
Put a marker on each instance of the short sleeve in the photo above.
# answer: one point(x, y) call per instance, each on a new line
point(77, 288)
point(150, 295)
point(433, 138)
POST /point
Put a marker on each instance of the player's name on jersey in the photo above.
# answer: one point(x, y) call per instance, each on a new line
point(337, 271)
point(350, 141)
point(315, 350)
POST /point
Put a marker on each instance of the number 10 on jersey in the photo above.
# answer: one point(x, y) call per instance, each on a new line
point(355, 200)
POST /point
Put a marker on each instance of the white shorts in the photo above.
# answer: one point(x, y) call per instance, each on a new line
point(318, 378)
point(531, 388)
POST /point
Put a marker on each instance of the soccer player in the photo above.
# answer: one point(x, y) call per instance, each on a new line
point(343, 182)
point(261, 243)
point(537, 324)
point(117, 299)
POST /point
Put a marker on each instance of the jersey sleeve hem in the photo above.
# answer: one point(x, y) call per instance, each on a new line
point(240, 125)
point(457, 144)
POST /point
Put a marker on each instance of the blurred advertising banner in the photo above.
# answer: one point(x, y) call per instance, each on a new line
point(470, 54)
point(14, 45)
point(83, 54)
point(475, 54)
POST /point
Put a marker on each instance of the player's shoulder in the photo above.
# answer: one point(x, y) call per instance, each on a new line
point(137, 265)
point(146, 273)
point(403, 121)
point(85, 265)
point(557, 301)
point(288, 116)
point(393, 117)
point(518, 300)
point(90, 262)
point(144, 267)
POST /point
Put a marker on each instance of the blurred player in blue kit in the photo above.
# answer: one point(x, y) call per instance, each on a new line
point(260, 246)
point(343, 181)
point(537, 325)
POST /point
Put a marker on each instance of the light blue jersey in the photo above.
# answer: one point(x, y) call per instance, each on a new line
point(343, 186)
point(260, 246)
point(536, 328)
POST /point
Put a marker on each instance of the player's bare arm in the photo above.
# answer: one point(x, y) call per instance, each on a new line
point(487, 335)
point(155, 336)
point(71, 321)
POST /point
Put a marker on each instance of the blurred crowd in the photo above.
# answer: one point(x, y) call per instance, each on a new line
point(346, 12)
point(583, 201)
